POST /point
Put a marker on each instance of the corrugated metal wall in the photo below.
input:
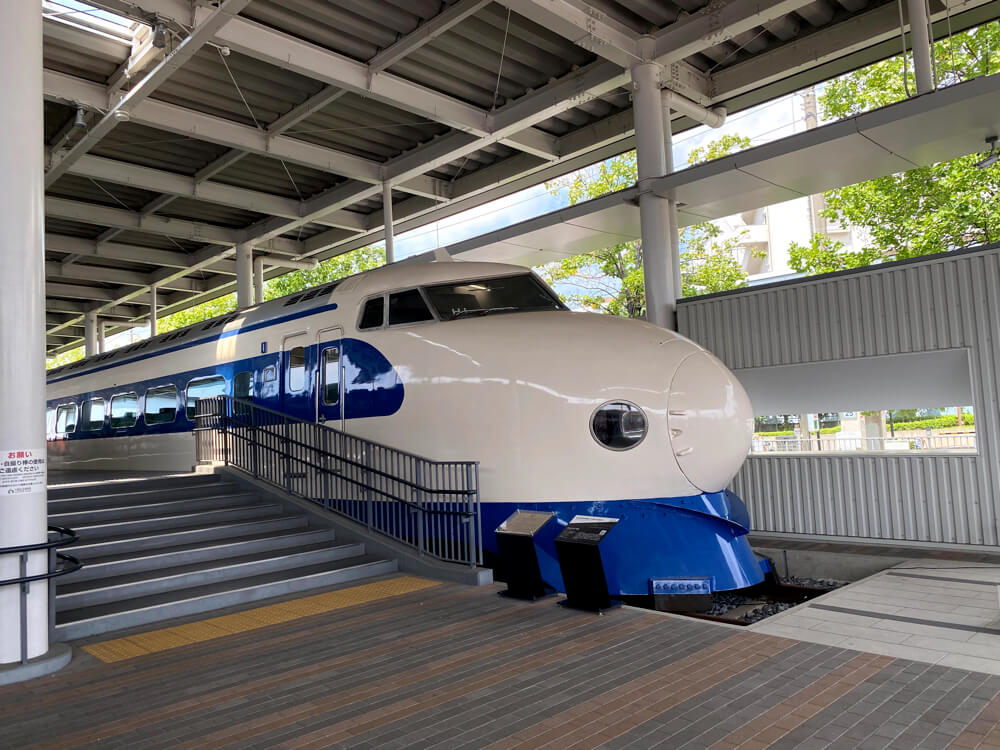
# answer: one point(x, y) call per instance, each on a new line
point(945, 302)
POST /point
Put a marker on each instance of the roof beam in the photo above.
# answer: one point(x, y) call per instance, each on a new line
point(123, 173)
point(291, 53)
point(215, 20)
point(129, 253)
point(105, 275)
point(584, 25)
point(426, 32)
point(242, 138)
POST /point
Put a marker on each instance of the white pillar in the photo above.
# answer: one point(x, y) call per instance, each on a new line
point(258, 279)
point(102, 344)
point(920, 41)
point(390, 252)
point(23, 512)
point(154, 309)
point(244, 275)
point(673, 230)
point(660, 277)
point(90, 334)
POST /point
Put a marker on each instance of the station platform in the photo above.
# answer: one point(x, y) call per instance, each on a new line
point(408, 662)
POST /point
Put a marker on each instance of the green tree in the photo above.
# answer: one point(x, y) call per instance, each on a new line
point(925, 210)
point(611, 280)
point(362, 259)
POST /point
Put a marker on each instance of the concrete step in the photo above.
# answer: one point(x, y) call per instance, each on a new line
point(107, 566)
point(117, 529)
point(118, 486)
point(88, 621)
point(91, 516)
point(132, 586)
point(140, 542)
point(139, 497)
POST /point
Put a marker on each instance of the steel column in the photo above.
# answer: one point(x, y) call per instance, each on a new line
point(920, 40)
point(390, 254)
point(658, 247)
point(23, 513)
point(244, 275)
point(90, 334)
point(154, 309)
point(102, 344)
point(258, 279)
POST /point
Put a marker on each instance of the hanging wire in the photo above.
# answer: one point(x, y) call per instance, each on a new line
point(738, 48)
point(902, 37)
point(503, 52)
point(111, 195)
point(254, 118)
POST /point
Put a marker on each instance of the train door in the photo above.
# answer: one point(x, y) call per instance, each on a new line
point(330, 378)
point(297, 376)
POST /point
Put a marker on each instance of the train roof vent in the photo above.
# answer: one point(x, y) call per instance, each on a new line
point(313, 293)
point(294, 300)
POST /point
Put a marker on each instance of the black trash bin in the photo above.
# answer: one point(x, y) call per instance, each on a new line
point(517, 538)
point(578, 547)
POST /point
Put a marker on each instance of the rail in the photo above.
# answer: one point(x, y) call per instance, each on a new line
point(964, 442)
point(432, 506)
point(65, 538)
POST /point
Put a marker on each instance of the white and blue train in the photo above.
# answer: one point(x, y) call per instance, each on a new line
point(569, 412)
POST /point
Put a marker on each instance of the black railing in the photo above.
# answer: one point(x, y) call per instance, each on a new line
point(433, 506)
point(70, 564)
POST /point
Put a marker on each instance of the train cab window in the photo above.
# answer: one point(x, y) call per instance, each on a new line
point(331, 375)
point(504, 294)
point(92, 415)
point(373, 314)
point(66, 419)
point(204, 388)
point(124, 410)
point(297, 369)
point(161, 405)
point(408, 307)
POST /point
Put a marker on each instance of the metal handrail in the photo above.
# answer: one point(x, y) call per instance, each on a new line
point(66, 537)
point(430, 505)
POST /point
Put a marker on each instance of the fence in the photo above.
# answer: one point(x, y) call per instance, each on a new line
point(432, 506)
point(958, 443)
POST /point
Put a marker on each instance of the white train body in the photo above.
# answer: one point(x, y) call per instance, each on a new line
point(518, 390)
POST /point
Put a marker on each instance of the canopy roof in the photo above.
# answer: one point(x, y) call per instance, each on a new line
point(276, 123)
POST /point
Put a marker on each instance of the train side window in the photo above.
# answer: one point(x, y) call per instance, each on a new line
point(297, 369)
point(161, 405)
point(92, 416)
point(270, 374)
point(214, 385)
point(373, 314)
point(331, 375)
point(408, 307)
point(243, 386)
point(124, 410)
point(50, 420)
point(66, 419)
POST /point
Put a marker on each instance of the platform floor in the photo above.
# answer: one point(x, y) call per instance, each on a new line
point(939, 611)
point(448, 666)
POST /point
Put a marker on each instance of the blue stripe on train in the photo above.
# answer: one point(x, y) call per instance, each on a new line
point(697, 536)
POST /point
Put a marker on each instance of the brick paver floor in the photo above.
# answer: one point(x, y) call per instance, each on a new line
point(456, 667)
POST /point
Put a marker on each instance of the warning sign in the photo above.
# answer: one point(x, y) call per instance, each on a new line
point(22, 471)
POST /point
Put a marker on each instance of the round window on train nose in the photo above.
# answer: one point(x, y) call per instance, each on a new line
point(618, 425)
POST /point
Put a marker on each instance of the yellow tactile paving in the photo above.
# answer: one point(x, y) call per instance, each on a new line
point(153, 641)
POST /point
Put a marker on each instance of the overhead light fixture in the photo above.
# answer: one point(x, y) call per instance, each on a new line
point(80, 123)
point(122, 116)
point(993, 156)
point(159, 35)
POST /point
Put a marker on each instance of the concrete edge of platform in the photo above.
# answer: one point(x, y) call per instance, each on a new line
point(350, 531)
point(57, 657)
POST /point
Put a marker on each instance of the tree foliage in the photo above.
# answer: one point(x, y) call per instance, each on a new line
point(925, 210)
point(611, 280)
point(362, 259)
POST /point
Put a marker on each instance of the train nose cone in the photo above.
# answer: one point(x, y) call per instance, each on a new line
point(710, 420)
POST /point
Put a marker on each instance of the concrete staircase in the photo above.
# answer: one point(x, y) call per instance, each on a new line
point(167, 547)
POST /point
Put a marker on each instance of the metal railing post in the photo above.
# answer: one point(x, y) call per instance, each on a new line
point(25, 588)
point(420, 508)
point(52, 595)
point(370, 500)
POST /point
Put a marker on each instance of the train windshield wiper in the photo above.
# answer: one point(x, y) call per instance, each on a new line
point(480, 311)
